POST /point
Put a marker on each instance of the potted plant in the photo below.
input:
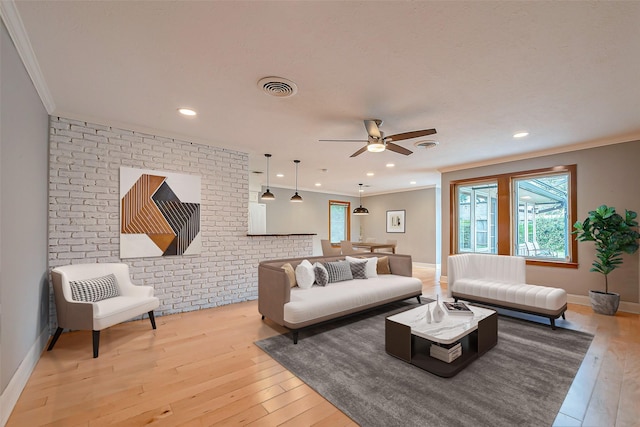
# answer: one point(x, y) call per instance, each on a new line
point(613, 236)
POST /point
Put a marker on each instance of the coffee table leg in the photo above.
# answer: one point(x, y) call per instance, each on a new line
point(398, 340)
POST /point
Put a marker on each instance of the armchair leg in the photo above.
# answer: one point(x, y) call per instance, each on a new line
point(96, 343)
point(55, 338)
point(152, 318)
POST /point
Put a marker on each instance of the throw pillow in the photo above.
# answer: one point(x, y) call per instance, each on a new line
point(358, 268)
point(322, 276)
point(305, 275)
point(291, 274)
point(338, 271)
point(372, 265)
point(383, 265)
point(93, 290)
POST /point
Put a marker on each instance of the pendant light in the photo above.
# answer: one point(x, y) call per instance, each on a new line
point(360, 210)
point(268, 195)
point(296, 198)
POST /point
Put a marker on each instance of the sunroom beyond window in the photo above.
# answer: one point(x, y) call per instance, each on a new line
point(477, 217)
point(542, 218)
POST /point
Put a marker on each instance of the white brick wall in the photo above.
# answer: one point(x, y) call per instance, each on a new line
point(84, 166)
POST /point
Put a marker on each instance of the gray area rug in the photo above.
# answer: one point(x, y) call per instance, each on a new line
point(522, 381)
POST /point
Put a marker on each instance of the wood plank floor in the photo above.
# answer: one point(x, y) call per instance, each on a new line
point(202, 369)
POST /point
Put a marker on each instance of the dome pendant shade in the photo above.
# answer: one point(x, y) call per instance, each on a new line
point(268, 195)
point(361, 210)
point(296, 198)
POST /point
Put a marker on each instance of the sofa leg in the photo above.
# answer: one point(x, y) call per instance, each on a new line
point(295, 337)
point(96, 343)
point(263, 317)
point(55, 338)
point(152, 318)
point(563, 316)
point(419, 300)
point(553, 324)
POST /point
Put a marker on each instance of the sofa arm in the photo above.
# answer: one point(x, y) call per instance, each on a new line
point(274, 292)
point(401, 265)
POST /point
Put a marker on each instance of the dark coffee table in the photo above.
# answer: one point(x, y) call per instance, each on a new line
point(409, 337)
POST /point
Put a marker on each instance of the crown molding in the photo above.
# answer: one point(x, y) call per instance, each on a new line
point(13, 22)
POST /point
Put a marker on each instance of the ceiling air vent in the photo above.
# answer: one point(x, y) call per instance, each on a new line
point(427, 143)
point(277, 86)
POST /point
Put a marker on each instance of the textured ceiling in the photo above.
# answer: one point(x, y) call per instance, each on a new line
point(478, 72)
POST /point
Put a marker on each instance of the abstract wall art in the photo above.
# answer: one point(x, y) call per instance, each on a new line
point(159, 213)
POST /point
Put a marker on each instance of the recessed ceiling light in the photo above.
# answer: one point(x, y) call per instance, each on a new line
point(318, 184)
point(412, 183)
point(520, 134)
point(279, 175)
point(186, 111)
point(390, 165)
point(370, 174)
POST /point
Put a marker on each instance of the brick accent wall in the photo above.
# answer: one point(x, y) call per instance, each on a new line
point(84, 165)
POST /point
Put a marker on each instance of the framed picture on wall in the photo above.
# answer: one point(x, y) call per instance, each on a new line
point(396, 221)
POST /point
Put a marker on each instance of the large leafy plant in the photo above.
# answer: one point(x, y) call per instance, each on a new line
point(612, 234)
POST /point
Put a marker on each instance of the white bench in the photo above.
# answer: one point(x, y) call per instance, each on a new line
point(500, 281)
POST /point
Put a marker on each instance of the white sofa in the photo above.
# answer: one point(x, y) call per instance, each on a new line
point(500, 281)
point(296, 308)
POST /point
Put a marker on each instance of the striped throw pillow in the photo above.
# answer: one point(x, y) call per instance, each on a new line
point(338, 271)
point(93, 290)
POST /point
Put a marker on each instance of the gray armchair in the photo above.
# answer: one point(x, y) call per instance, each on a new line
point(96, 296)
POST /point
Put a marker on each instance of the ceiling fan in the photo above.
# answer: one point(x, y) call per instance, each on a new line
point(377, 142)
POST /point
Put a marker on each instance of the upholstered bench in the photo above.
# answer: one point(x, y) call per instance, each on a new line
point(500, 281)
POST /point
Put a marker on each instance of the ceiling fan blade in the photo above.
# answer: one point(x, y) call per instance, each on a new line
point(398, 149)
point(409, 135)
point(372, 128)
point(360, 151)
point(342, 140)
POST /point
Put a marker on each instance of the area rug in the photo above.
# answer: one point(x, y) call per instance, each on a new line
point(522, 381)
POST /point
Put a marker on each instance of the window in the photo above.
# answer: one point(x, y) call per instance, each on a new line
point(477, 217)
point(339, 221)
point(526, 213)
point(542, 216)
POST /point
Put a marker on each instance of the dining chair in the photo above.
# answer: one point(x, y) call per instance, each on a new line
point(347, 248)
point(327, 249)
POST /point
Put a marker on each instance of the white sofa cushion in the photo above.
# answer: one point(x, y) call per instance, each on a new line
point(517, 293)
point(317, 302)
point(305, 276)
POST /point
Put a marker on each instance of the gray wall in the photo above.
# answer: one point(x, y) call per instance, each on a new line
point(310, 216)
point(23, 213)
point(606, 175)
point(421, 239)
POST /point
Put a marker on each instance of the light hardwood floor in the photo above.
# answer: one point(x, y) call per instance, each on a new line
point(202, 368)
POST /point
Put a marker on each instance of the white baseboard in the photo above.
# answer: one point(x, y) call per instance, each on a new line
point(19, 380)
point(625, 306)
point(426, 265)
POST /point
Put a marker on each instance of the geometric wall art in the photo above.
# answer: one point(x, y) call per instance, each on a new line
point(159, 213)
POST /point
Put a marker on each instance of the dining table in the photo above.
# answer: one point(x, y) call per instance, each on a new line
point(373, 246)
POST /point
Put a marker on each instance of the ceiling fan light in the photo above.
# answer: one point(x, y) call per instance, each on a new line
point(375, 147)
